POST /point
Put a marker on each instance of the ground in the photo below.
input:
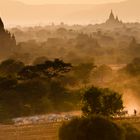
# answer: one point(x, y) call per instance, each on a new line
point(46, 131)
point(30, 132)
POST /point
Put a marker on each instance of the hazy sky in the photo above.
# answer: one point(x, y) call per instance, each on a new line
point(67, 1)
point(15, 13)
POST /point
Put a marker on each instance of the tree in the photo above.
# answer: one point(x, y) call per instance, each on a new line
point(134, 47)
point(10, 67)
point(133, 68)
point(131, 133)
point(102, 74)
point(92, 128)
point(49, 69)
point(83, 71)
point(101, 101)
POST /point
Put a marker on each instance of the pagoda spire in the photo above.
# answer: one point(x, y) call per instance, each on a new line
point(113, 20)
point(1, 25)
point(111, 17)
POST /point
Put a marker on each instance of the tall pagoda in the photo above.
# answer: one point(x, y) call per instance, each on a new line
point(7, 41)
point(112, 20)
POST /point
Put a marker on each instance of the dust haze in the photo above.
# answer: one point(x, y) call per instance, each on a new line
point(101, 45)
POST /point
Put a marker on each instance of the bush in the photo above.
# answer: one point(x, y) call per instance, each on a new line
point(92, 128)
point(131, 133)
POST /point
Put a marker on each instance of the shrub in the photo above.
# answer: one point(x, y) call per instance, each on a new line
point(92, 128)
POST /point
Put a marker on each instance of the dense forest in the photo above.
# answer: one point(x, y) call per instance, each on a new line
point(46, 69)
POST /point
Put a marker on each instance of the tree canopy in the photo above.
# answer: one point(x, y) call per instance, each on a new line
point(49, 69)
point(133, 68)
point(101, 101)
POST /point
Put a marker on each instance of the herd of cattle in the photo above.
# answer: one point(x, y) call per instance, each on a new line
point(60, 117)
point(50, 118)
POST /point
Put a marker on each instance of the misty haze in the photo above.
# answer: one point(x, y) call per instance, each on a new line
point(69, 70)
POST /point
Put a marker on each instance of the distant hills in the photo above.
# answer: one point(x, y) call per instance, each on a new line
point(14, 12)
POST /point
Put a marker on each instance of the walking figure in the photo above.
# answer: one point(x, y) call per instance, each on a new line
point(135, 112)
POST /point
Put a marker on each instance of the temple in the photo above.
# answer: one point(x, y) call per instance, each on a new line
point(112, 20)
point(1, 25)
point(7, 41)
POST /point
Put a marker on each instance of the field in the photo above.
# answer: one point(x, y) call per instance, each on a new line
point(30, 132)
point(46, 131)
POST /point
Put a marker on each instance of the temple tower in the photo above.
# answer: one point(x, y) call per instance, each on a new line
point(111, 17)
point(1, 25)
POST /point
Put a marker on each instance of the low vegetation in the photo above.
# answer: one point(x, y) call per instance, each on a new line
point(96, 123)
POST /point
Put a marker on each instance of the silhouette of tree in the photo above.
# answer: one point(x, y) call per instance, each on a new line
point(49, 69)
point(101, 101)
point(10, 67)
point(133, 68)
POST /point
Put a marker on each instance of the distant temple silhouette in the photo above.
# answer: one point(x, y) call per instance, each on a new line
point(1, 25)
point(7, 41)
point(112, 20)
